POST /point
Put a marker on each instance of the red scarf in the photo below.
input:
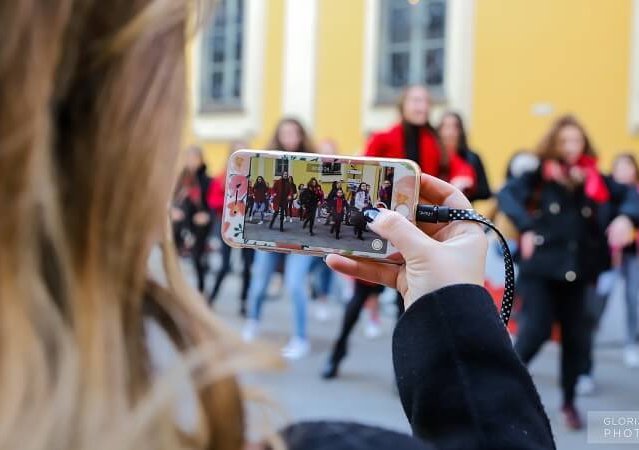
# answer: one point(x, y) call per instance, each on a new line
point(594, 184)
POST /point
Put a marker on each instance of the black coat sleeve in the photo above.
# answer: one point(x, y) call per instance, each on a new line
point(482, 190)
point(460, 382)
point(513, 198)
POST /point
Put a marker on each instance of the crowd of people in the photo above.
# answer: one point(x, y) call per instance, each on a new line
point(570, 227)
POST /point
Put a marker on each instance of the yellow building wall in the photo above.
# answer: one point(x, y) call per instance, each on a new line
point(572, 54)
point(215, 152)
point(340, 71)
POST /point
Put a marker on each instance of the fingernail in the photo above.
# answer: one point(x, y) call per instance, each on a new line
point(371, 214)
point(324, 258)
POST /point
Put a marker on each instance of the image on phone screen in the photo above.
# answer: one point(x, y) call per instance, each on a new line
point(314, 203)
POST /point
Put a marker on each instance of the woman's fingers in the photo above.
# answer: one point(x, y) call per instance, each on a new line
point(400, 232)
point(375, 272)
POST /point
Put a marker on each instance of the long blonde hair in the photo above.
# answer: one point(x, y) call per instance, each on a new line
point(92, 100)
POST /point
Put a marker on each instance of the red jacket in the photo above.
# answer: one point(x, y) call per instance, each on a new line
point(391, 144)
point(281, 188)
point(215, 195)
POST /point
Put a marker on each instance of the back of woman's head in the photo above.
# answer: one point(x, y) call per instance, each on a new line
point(91, 101)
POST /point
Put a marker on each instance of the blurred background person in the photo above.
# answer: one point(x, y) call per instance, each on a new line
point(191, 212)
point(561, 211)
point(413, 137)
point(385, 193)
point(625, 268)
point(216, 201)
point(466, 165)
point(289, 136)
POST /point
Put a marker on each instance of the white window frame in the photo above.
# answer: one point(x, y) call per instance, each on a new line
point(415, 49)
point(459, 62)
point(229, 102)
point(236, 124)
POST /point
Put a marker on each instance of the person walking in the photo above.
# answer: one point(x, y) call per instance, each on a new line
point(338, 212)
point(361, 202)
point(385, 193)
point(412, 137)
point(290, 136)
point(562, 212)
point(625, 267)
point(465, 165)
point(313, 196)
point(192, 211)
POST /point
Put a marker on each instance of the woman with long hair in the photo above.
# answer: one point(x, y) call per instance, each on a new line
point(289, 136)
point(563, 211)
point(470, 176)
point(192, 211)
point(260, 198)
point(313, 196)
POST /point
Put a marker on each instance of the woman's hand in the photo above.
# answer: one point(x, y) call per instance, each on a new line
point(201, 218)
point(177, 214)
point(527, 244)
point(434, 255)
point(620, 232)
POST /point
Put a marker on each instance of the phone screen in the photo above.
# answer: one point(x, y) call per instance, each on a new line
point(309, 202)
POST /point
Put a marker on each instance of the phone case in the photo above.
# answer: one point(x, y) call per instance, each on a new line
point(237, 230)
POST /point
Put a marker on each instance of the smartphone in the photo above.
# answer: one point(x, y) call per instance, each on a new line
point(314, 204)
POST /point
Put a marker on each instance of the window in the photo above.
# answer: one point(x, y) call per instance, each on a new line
point(281, 165)
point(331, 168)
point(411, 46)
point(222, 47)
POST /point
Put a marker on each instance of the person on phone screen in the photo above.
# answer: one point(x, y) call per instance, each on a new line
point(260, 198)
point(313, 196)
point(338, 212)
point(282, 192)
point(565, 211)
point(466, 165)
point(291, 199)
point(385, 193)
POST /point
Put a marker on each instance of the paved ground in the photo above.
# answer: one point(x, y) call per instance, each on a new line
point(294, 234)
point(365, 390)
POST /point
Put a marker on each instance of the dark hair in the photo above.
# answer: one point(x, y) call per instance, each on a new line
point(359, 186)
point(306, 144)
point(311, 181)
point(444, 163)
point(462, 143)
point(547, 147)
point(631, 158)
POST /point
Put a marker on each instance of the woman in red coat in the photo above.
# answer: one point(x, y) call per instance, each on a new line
point(413, 137)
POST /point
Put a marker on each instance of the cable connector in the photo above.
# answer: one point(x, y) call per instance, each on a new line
point(433, 213)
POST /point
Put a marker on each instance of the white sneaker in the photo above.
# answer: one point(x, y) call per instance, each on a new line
point(372, 330)
point(322, 313)
point(260, 222)
point(296, 348)
point(250, 330)
point(585, 385)
point(631, 356)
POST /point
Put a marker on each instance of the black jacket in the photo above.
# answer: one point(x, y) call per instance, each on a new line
point(482, 190)
point(570, 226)
point(460, 383)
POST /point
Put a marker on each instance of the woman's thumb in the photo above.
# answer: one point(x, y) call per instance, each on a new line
point(405, 236)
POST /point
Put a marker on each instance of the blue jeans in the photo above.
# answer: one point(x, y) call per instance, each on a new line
point(259, 207)
point(629, 270)
point(322, 281)
point(296, 269)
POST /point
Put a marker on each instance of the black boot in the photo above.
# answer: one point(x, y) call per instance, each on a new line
point(332, 365)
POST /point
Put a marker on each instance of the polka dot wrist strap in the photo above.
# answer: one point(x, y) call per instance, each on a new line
point(443, 214)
